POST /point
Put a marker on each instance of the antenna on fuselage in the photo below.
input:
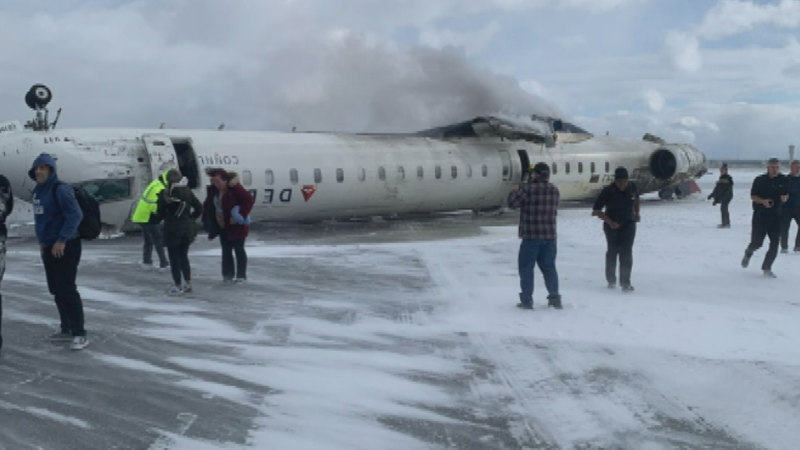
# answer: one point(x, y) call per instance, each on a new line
point(37, 98)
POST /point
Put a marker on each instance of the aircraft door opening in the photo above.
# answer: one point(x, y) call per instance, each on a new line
point(187, 161)
point(526, 165)
point(160, 153)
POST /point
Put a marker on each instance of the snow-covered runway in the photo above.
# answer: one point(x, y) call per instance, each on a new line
point(403, 334)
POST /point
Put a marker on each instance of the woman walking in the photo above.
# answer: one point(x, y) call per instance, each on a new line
point(179, 208)
point(225, 210)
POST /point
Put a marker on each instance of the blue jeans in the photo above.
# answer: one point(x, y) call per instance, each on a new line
point(542, 252)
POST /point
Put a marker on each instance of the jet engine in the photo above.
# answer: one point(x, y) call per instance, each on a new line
point(676, 162)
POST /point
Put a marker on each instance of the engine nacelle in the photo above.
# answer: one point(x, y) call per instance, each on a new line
point(676, 162)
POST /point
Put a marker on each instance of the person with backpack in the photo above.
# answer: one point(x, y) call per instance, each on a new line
point(179, 208)
point(57, 215)
point(6, 205)
point(228, 204)
point(145, 215)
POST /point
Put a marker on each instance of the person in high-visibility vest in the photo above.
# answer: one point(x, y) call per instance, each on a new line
point(145, 215)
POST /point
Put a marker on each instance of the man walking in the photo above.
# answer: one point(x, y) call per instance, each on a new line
point(621, 202)
point(145, 215)
point(6, 205)
point(56, 217)
point(723, 194)
point(791, 209)
point(538, 203)
point(769, 191)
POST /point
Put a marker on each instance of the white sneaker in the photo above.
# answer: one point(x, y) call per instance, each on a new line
point(79, 343)
point(164, 269)
point(240, 280)
point(175, 290)
point(187, 288)
point(146, 266)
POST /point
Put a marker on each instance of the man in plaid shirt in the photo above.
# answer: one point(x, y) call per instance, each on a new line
point(538, 203)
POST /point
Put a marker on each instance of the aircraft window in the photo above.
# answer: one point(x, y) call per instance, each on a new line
point(580, 167)
point(566, 167)
point(484, 171)
point(381, 173)
point(437, 172)
point(339, 175)
point(247, 178)
point(592, 167)
point(555, 168)
point(293, 176)
point(506, 170)
point(453, 172)
point(469, 170)
point(362, 174)
point(317, 176)
point(608, 167)
point(420, 172)
point(108, 190)
point(401, 173)
point(269, 177)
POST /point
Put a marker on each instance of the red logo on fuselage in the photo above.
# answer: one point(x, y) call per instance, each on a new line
point(307, 191)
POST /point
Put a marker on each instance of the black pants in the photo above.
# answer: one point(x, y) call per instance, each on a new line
point(765, 224)
point(179, 255)
point(61, 274)
point(228, 250)
point(2, 271)
point(726, 216)
point(787, 216)
point(153, 238)
point(620, 245)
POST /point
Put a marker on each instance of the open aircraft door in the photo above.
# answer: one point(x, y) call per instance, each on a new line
point(160, 154)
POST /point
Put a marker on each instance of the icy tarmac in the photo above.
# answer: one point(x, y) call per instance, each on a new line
point(403, 334)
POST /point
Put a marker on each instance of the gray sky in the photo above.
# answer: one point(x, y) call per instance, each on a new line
point(724, 75)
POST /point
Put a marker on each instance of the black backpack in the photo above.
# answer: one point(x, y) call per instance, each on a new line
point(90, 226)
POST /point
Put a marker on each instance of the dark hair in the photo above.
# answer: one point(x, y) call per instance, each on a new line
point(214, 171)
point(541, 169)
point(621, 173)
point(174, 176)
point(774, 161)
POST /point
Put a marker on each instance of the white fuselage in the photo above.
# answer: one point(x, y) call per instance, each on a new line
point(313, 176)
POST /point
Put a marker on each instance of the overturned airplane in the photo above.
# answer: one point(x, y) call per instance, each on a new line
point(313, 176)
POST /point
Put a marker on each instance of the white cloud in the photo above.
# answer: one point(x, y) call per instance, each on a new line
point(730, 17)
point(473, 41)
point(653, 99)
point(684, 51)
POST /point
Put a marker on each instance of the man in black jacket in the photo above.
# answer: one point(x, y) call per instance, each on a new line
point(768, 193)
point(6, 205)
point(621, 202)
point(723, 194)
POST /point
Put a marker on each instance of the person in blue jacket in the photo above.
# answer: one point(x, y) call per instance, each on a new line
point(56, 216)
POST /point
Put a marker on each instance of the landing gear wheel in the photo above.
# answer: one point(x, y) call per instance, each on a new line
point(38, 96)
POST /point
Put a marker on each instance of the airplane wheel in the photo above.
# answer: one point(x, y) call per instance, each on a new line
point(38, 96)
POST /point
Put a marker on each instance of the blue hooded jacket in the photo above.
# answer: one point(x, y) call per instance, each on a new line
point(56, 220)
